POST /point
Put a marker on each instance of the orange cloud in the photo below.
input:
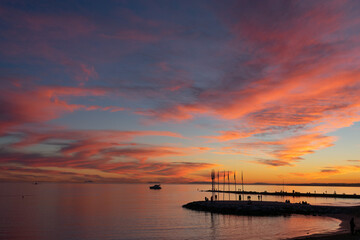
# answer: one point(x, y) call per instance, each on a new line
point(233, 135)
point(329, 171)
point(287, 150)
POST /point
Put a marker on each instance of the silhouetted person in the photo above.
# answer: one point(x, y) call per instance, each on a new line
point(215, 197)
point(212, 198)
point(352, 226)
point(239, 197)
point(249, 200)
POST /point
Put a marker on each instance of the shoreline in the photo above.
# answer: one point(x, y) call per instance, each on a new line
point(267, 208)
point(342, 233)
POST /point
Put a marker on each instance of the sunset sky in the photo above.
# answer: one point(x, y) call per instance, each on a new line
point(139, 91)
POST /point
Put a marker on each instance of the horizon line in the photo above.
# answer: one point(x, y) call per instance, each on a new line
point(231, 183)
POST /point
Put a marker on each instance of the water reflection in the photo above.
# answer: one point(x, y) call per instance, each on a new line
point(132, 211)
point(212, 226)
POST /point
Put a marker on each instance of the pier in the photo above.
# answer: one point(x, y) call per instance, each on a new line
point(291, 194)
point(255, 208)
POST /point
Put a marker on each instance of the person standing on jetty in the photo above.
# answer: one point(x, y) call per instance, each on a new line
point(352, 226)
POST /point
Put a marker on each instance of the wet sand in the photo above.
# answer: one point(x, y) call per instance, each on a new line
point(343, 236)
point(344, 231)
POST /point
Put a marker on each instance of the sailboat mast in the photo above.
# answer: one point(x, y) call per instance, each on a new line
point(212, 184)
point(229, 183)
point(224, 187)
point(242, 181)
point(235, 179)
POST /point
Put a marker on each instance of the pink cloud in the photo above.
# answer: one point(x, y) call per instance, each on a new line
point(108, 153)
point(308, 86)
point(177, 113)
point(174, 172)
point(42, 104)
point(113, 137)
point(297, 75)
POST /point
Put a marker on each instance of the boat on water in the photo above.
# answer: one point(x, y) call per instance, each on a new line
point(156, 187)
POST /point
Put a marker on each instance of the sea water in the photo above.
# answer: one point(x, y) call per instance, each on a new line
point(133, 211)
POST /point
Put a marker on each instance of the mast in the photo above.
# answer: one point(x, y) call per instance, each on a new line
point(235, 179)
point(242, 181)
point(229, 183)
point(212, 184)
point(224, 187)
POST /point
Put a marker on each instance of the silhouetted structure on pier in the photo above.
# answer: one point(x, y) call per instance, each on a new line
point(226, 183)
point(212, 183)
point(295, 194)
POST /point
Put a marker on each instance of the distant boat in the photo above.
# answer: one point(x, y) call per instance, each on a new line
point(156, 187)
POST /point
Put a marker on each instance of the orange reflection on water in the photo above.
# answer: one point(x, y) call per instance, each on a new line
point(133, 211)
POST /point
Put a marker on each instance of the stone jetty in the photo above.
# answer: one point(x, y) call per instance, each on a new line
point(266, 208)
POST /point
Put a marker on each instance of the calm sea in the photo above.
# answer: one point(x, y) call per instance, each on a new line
point(133, 211)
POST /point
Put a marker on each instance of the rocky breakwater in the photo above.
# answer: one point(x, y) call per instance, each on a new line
point(260, 208)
